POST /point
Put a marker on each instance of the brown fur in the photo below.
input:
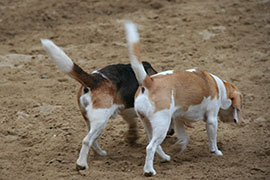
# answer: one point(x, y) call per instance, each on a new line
point(136, 50)
point(81, 76)
point(105, 96)
point(186, 92)
point(80, 92)
point(234, 94)
point(189, 88)
point(237, 98)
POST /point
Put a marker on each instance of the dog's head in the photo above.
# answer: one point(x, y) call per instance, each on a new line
point(235, 112)
point(148, 68)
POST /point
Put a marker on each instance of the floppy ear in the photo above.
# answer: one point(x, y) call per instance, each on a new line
point(237, 104)
point(148, 68)
point(151, 71)
point(236, 98)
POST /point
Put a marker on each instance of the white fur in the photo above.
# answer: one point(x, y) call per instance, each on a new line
point(225, 101)
point(131, 32)
point(235, 115)
point(98, 119)
point(138, 69)
point(133, 37)
point(58, 55)
point(160, 122)
point(103, 75)
point(142, 105)
point(191, 70)
point(163, 73)
point(157, 123)
point(197, 112)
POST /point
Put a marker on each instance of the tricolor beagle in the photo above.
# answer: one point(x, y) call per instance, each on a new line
point(103, 94)
point(183, 96)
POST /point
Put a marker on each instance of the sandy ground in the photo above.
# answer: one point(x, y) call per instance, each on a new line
point(41, 128)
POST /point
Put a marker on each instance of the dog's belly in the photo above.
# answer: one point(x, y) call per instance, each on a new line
point(197, 112)
point(190, 115)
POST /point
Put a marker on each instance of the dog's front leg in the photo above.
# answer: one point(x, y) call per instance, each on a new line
point(211, 128)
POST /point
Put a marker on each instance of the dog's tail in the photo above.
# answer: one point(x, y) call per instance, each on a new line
point(132, 36)
point(66, 64)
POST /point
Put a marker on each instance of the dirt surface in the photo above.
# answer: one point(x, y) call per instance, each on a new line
point(41, 128)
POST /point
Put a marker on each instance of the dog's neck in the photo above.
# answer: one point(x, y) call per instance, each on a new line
point(223, 93)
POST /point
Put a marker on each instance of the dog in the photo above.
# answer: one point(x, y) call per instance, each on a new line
point(180, 95)
point(104, 94)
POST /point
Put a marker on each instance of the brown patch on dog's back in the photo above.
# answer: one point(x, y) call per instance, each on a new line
point(192, 87)
point(188, 88)
point(160, 92)
point(105, 96)
point(212, 85)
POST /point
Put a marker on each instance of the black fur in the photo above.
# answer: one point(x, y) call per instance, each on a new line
point(124, 79)
point(85, 90)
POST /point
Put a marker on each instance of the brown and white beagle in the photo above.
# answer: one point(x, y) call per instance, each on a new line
point(182, 96)
point(103, 94)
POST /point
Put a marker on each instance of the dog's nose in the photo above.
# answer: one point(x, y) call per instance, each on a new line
point(235, 121)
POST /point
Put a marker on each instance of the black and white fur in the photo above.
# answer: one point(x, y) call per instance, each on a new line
point(103, 94)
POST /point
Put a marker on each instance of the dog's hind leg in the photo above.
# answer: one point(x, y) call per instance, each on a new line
point(181, 134)
point(129, 115)
point(147, 126)
point(96, 147)
point(98, 150)
point(211, 128)
point(98, 120)
point(160, 123)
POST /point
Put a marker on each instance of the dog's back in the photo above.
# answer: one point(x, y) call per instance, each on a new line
point(124, 80)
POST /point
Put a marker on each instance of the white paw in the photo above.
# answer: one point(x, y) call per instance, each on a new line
point(149, 173)
point(219, 153)
point(81, 165)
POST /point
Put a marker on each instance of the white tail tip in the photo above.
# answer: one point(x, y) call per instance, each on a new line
point(58, 55)
point(131, 32)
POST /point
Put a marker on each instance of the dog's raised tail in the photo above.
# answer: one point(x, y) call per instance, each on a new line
point(66, 64)
point(132, 36)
